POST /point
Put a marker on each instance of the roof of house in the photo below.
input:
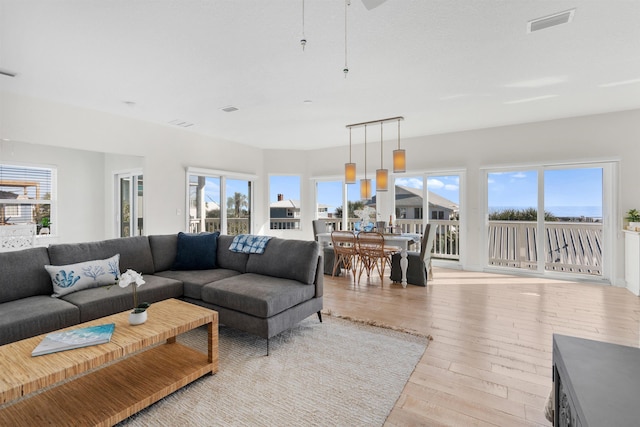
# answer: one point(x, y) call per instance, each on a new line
point(412, 197)
point(286, 204)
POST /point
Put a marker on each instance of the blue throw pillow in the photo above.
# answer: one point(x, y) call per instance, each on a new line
point(196, 251)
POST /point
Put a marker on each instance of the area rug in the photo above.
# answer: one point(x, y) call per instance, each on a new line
point(338, 373)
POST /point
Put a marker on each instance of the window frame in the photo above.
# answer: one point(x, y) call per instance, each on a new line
point(223, 175)
point(53, 194)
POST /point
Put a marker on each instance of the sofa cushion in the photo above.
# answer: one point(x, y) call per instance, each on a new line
point(287, 258)
point(257, 295)
point(163, 250)
point(249, 243)
point(135, 253)
point(99, 302)
point(22, 274)
point(228, 259)
point(194, 280)
point(35, 315)
point(84, 275)
point(196, 251)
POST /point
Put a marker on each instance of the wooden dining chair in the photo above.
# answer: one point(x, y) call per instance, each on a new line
point(345, 251)
point(374, 253)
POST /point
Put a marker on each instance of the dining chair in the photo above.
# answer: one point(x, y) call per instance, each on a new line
point(320, 226)
point(345, 251)
point(419, 267)
point(373, 253)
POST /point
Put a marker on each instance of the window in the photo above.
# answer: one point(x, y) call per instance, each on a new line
point(238, 206)
point(27, 196)
point(205, 212)
point(130, 192)
point(549, 218)
point(284, 202)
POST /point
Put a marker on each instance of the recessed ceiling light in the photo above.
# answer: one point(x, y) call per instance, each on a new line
point(129, 103)
point(307, 102)
point(229, 109)
point(550, 21)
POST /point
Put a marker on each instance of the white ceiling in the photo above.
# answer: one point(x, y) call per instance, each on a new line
point(445, 65)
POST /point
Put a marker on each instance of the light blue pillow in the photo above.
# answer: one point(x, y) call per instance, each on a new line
point(83, 275)
point(249, 243)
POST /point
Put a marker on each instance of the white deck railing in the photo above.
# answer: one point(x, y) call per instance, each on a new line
point(569, 246)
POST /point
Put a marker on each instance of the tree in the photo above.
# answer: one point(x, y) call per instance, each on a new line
point(352, 207)
point(237, 205)
point(527, 214)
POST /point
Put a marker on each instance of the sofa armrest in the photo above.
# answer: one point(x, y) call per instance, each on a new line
point(319, 282)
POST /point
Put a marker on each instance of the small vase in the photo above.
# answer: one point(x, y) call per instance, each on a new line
point(137, 318)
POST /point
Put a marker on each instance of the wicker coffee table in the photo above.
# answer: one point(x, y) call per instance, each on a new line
point(142, 374)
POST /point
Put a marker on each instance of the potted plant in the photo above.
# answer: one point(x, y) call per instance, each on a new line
point(46, 223)
point(139, 313)
point(633, 216)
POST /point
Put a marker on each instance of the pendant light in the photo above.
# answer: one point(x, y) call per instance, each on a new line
point(382, 175)
point(399, 157)
point(350, 168)
point(365, 184)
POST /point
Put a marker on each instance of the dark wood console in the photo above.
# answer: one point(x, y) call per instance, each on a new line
point(596, 383)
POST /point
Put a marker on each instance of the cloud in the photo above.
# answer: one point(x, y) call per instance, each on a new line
point(410, 182)
point(451, 187)
point(519, 175)
point(435, 184)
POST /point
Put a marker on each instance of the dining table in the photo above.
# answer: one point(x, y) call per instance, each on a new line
point(403, 241)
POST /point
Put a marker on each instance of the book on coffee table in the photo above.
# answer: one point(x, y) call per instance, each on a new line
point(74, 338)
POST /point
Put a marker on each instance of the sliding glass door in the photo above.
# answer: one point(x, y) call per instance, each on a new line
point(547, 218)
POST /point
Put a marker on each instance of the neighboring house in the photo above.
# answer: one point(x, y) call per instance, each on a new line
point(409, 204)
point(325, 211)
point(284, 208)
point(284, 214)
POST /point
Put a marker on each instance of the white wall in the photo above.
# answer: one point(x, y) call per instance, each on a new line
point(167, 151)
point(81, 215)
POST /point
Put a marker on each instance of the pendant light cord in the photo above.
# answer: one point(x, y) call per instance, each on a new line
point(381, 150)
point(365, 152)
point(345, 70)
point(349, 145)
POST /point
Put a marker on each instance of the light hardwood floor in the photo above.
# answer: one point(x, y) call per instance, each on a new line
point(490, 359)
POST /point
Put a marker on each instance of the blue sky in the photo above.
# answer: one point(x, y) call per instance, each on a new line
point(564, 188)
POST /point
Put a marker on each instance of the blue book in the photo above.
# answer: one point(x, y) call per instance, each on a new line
point(74, 338)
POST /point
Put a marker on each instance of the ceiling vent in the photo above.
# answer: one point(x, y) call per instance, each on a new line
point(550, 21)
point(229, 109)
point(180, 123)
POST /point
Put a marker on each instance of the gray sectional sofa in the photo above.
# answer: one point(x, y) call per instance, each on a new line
point(263, 294)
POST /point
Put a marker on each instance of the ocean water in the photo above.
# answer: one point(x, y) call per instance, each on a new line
point(561, 211)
